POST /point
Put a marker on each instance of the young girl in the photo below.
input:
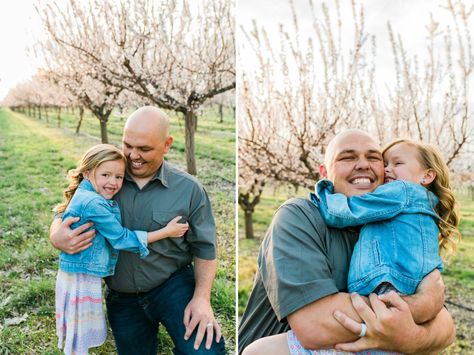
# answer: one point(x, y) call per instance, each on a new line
point(80, 321)
point(406, 223)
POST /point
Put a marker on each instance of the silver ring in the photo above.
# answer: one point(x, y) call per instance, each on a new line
point(363, 329)
point(209, 325)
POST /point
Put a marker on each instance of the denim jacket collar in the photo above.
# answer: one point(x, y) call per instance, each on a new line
point(87, 185)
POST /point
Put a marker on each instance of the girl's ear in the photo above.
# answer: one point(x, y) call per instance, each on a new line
point(323, 171)
point(86, 174)
point(428, 177)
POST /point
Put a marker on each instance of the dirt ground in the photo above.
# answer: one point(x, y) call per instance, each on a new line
point(460, 303)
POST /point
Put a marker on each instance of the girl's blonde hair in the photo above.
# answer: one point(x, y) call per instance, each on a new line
point(447, 208)
point(90, 161)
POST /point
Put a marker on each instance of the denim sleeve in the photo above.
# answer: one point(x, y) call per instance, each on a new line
point(111, 229)
point(340, 211)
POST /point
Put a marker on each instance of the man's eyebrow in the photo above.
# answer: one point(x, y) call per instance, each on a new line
point(374, 151)
point(347, 151)
point(353, 151)
point(140, 147)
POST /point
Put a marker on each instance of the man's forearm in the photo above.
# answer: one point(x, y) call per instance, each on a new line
point(437, 334)
point(204, 273)
point(315, 325)
point(428, 300)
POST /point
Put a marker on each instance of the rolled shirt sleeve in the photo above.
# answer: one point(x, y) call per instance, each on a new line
point(202, 234)
point(293, 263)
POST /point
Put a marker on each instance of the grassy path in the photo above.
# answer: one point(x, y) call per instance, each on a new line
point(33, 161)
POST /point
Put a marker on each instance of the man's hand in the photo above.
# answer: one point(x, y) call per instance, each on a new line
point(428, 300)
point(198, 313)
point(70, 241)
point(390, 325)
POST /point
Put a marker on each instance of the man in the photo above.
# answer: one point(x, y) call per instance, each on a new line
point(162, 288)
point(302, 275)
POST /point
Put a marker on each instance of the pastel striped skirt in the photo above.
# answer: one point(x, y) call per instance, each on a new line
point(80, 319)
point(295, 348)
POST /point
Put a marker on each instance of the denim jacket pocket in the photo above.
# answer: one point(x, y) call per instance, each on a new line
point(366, 258)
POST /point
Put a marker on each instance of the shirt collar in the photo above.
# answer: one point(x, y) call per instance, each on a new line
point(161, 175)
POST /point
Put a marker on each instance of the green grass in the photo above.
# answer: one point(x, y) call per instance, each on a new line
point(458, 276)
point(34, 159)
point(248, 248)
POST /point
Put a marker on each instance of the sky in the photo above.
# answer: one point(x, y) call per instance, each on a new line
point(409, 18)
point(19, 26)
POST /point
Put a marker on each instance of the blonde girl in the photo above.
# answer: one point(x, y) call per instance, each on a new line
point(80, 321)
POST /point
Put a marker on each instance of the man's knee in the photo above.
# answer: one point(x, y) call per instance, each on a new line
point(187, 347)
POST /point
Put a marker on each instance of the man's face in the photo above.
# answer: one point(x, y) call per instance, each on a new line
point(356, 165)
point(144, 151)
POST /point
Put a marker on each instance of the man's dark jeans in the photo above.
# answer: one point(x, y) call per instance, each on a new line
point(135, 318)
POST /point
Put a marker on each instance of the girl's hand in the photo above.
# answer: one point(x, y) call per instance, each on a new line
point(174, 229)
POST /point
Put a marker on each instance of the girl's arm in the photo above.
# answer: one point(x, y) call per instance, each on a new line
point(340, 211)
point(173, 229)
point(106, 223)
point(122, 238)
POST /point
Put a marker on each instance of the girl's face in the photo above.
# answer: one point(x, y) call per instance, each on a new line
point(402, 163)
point(107, 178)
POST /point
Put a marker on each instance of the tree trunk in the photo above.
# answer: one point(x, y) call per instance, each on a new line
point(221, 113)
point(59, 117)
point(248, 207)
point(249, 224)
point(190, 125)
point(103, 129)
point(81, 116)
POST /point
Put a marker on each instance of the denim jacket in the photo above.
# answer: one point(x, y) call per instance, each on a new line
point(100, 258)
point(399, 240)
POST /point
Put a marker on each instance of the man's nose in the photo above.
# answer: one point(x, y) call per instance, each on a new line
point(134, 154)
point(362, 164)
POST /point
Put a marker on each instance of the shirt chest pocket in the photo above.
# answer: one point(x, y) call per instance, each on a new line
point(169, 245)
point(162, 218)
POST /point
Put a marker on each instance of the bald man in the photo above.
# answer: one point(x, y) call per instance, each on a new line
point(172, 285)
point(301, 281)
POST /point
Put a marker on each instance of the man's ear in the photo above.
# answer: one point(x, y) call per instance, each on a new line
point(428, 177)
point(168, 143)
point(322, 171)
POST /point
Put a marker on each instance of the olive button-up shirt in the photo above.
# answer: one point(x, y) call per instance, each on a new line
point(170, 193)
